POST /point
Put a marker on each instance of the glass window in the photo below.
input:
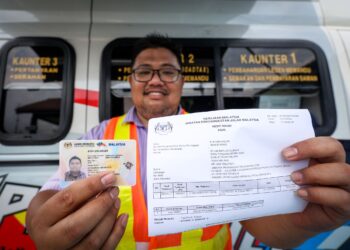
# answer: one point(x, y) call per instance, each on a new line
point(235, 74)
point(120, 68)
point(278, 75)
point(36, 90)
point(198, 69)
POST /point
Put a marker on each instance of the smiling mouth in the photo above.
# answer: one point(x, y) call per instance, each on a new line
point(155, 92)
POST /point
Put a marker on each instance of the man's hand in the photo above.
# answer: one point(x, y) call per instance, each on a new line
point(327, 184)
point(81, 216)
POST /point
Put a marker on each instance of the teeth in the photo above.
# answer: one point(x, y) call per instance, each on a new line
point(155, 93)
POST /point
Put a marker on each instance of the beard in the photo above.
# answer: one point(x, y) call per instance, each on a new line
point(154, 111)
point(149, 107)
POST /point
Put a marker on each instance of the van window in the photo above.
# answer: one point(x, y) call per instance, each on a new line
point(198, 68)
point(36, 90)
point(234, 74)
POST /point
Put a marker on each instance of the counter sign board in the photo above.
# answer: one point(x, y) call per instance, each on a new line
point(270, 65)
point(197, 65)
point(34, 64)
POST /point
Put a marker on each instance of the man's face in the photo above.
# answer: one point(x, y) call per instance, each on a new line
point(156, 98)
point(75, 165)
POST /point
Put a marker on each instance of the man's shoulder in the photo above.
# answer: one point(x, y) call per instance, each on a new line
point(97, 132)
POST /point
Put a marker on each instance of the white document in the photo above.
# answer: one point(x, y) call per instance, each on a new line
point(215, 167)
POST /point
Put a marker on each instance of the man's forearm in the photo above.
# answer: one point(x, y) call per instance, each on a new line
point(277, 231)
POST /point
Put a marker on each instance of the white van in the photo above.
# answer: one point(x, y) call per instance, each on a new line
point(64, 64)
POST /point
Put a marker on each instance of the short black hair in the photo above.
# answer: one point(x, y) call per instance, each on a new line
point(74, 158)
point(153, 41)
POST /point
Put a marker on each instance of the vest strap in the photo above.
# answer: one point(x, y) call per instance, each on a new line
point(128, 240)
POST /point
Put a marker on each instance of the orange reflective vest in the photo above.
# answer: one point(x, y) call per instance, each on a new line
point(133, 203)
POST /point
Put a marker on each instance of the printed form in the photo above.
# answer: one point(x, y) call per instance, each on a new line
point(215, 167)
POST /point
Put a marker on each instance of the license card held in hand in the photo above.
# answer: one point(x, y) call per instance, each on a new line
point(83, 158)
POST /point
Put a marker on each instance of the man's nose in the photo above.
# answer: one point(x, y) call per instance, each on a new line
point(155, 80)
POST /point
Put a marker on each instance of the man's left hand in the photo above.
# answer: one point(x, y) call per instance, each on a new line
point(325, 184)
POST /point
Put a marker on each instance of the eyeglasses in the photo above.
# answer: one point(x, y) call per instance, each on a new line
point(167, 75)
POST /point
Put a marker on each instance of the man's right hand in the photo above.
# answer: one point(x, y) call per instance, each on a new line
point(81, 216)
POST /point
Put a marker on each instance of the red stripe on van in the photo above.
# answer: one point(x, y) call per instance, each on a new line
point(86, 97)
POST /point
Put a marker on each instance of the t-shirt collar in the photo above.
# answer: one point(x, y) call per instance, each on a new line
point(131, 116)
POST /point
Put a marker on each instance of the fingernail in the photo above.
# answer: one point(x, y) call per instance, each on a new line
point(117, 204)
point(297, 177)
point(113, 193)
point(290, 152)
point(302, 193)
point(124, 219)
point(108, 179)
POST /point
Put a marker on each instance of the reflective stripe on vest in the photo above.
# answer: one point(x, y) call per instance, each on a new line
point(193, 240)
point(125, 193)
point(133, 203)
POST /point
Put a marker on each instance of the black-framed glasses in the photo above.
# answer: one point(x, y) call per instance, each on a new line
point(167, 75)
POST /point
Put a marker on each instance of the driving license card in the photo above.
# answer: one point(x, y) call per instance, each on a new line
point(83, 158)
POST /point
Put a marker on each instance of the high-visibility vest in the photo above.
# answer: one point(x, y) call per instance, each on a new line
point(133, 203)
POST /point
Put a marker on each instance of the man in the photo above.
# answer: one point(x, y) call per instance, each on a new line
point(74, 172)
point(83, 215)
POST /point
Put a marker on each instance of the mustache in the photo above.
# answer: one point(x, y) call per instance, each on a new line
point(160, 90)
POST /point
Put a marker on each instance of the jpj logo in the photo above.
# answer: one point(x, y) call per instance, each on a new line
point(163, 128)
